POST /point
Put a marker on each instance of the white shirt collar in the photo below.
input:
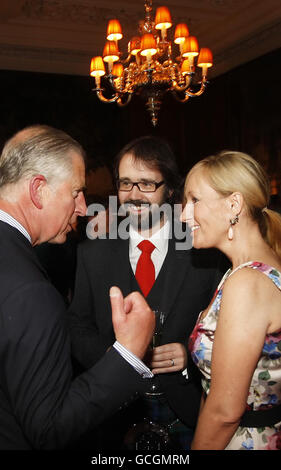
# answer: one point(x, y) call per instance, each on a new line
point(160, 239)
point(5, 217)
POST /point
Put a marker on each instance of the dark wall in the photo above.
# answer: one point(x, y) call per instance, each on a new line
point(240, 110)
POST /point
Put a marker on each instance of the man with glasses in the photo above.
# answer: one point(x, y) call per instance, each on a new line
point(178, 283)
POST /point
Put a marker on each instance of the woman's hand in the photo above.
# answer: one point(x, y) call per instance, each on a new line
point(167, 358)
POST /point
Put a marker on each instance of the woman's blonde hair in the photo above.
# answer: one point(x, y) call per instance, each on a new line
point(235, 171)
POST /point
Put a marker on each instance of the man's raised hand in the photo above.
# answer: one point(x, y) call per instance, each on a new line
point(133, 321)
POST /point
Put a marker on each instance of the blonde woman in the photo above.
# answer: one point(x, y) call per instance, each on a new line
point(236, 342)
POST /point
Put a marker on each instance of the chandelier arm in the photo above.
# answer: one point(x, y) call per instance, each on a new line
point(127, 60)
point(103, 98)
point(110, 78)
point(199, 92)
point(121, 103)
point(182, 100)
point(177, 87)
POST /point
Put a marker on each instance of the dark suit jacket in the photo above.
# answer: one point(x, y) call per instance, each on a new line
point(40, 405)
point(184, 286)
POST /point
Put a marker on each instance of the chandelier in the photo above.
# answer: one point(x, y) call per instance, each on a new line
point(153, 65)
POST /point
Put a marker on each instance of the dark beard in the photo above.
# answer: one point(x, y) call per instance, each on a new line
point(141, 222)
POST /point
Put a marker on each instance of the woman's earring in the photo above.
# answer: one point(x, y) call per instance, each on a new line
point(232, 222)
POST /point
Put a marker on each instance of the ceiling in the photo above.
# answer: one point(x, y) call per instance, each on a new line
point(61, 36)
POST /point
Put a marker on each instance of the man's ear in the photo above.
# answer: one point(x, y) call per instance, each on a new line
point(36, 186)
point(171, 192)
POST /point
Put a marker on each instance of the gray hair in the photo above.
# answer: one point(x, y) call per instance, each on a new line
point(38, 150)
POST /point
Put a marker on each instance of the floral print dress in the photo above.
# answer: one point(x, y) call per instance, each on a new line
point(265, 388)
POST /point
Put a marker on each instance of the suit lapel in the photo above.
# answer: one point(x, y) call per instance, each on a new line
point(168, 282)
point(122, 273)
point(170, 278)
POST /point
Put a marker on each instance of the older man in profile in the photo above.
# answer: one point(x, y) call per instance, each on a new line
point(42, 176)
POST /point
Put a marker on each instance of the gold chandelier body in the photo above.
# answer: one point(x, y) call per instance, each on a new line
point(149, 69)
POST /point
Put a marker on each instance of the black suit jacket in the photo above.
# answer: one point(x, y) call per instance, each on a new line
point(184, 286)
point(40, 405)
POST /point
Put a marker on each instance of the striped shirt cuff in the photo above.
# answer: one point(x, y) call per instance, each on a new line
point(134, 361)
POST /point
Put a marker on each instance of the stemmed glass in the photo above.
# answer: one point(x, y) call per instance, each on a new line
point(151, 435)
point(160, 317)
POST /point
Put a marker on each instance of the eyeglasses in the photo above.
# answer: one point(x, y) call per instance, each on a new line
point(143, 186)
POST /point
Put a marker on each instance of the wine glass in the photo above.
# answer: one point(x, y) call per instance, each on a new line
point(160, 317)
point(159, 323)
point(151, 434)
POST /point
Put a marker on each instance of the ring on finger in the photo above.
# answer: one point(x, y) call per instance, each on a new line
point(173, 362)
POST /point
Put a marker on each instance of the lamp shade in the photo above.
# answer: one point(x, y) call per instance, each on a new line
point(181, 33)
point(97, 67)
point(163, 18)
point(134, 45)
point(205, 58)
point(185, 67)
point(190, 47)
point(117, 70)
point(114, 30)
point(148, 44)
point(110, 52)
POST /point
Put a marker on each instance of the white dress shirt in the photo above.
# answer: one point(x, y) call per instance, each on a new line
point(160, 240)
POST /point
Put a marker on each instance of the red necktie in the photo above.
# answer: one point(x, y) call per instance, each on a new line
point(145, 272)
